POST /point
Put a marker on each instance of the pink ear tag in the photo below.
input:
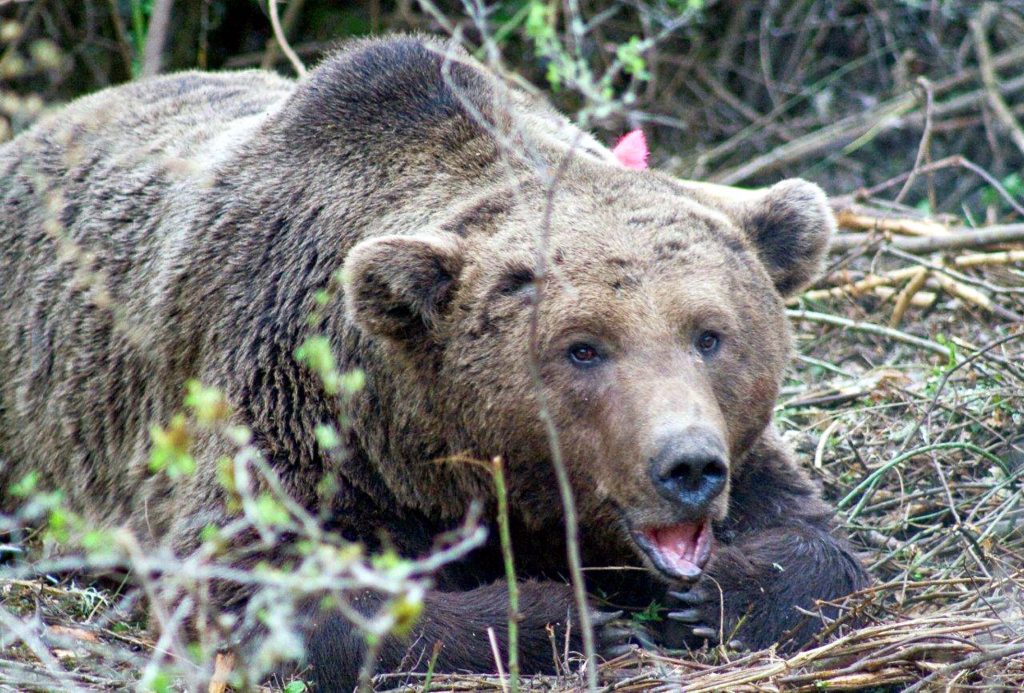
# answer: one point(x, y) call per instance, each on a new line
point(631, 150)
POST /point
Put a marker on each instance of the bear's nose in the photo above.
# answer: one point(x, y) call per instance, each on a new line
point(690, 469)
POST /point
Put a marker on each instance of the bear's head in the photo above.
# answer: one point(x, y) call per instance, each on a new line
point(645, 326)
point(562, 305)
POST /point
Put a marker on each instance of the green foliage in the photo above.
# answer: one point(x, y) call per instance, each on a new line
point(651, 614)
point(160, 682)
point(170, 451)
point(951, 358)
point(567, 67)
point(630, 55)
point(26, 486)
point(1013, 184)
point(271, 512)
point(316, 354)
point(141, 9)
point(405, 610)
point(327, 437)
point(98, 542)
point(207, 404)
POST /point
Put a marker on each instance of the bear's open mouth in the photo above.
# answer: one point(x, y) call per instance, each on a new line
point(679, 551)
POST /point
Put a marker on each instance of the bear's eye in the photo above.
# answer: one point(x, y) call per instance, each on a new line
point(708, 342)
point(582, 354)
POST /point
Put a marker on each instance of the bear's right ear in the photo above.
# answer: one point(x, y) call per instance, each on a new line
point(789, 225)
point(398, 287)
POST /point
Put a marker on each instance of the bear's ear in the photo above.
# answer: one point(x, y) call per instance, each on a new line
point(398, 287)
point(790, 225)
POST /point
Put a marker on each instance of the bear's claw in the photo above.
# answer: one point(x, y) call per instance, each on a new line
point(619, 637)
point(685, 616)
point(692, 596)
point(707, 633)
point(698, 620)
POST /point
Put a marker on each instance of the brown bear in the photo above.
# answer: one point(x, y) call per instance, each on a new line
point(494, 256)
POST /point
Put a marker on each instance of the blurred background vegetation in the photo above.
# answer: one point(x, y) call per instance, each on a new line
point(714, 83)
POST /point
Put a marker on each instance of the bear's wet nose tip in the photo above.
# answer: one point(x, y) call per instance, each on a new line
point(690, 470)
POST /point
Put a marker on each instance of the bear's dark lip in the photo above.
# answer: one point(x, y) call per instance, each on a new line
point(643, 539)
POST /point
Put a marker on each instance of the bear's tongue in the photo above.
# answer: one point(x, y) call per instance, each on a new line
point(684, 548)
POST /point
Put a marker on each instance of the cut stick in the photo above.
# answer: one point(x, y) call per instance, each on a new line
point(963, 292)
point(868, 328)
point(915, 284)
point(222, 666)
point(989, 235)
point(921, 299)
point(875, 281)
point(862, 286)
point(1007, 257)
point(857, 221)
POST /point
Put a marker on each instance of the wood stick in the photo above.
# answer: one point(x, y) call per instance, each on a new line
point(282, 40)
point(915, 284)
point(223, 664)
point(963, 292)
point(883, 117)
point(857, 221)
point(988, 235)
point(868, 328)
point(839, 133)
point(863, 285)
point(920, 299)
point(1007, 257)
point(156, 37)
point(883, 281)
point(947, 162)
point(979, 28)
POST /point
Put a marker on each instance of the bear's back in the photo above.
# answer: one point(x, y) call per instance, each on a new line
point(97, 203)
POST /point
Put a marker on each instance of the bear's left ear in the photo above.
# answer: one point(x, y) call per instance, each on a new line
point(790, 225)
point(398, 287)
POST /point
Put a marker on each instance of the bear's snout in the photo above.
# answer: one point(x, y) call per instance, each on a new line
point(690, 469)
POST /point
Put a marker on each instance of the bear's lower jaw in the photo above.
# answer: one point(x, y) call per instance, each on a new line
point(679, 551)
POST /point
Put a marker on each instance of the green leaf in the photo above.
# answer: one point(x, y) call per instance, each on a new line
point(25, 487)
point(327, 436)
point(207, 403)
point(633, 63)
point(170, 449)
point(353, 381)
point(271, 512)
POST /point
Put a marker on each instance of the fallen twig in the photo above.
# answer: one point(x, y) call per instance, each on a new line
point(868, 328)
point(859, 221)
point(282, 40)
point(979, 28)
point(915, 284)
point(950, 161)
point(977, 238)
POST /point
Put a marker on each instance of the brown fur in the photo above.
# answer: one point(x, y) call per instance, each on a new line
point(213, 207)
